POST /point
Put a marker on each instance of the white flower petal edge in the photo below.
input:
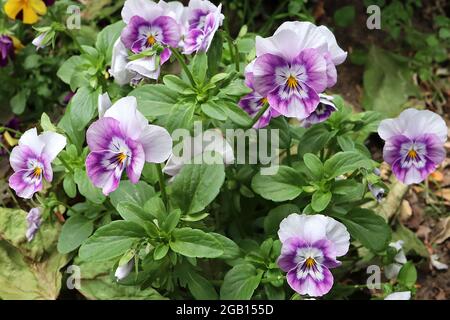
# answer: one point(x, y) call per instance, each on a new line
point(403, 295)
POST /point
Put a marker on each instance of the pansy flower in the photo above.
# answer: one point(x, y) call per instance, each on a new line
point(31, 161)
point(311, 244)
point(34, 223)
point(27, 10)
point(203, 21)
point(122, 141)
point(323, 111)
point(295, 65)
point(143, 47)
point(6, 50)
point(414, 144)
point(253, 102)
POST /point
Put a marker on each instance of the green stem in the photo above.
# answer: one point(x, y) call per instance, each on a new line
point(234, 51)
point(259, 114)
point(10, 130)
point(288, 156)
point(162, 184)
point(183, 64)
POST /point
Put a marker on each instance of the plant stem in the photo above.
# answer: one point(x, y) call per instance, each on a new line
point(162, 184)
point(288, 156)
point(10, 130)
point(183, 64)
point(66, 165)
point(234, 51)
point(259, 114)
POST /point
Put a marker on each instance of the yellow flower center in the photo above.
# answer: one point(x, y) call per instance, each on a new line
point(37, 172)
point(151, 40)
point(264, 101)
point(292, 82)
point(121, 157)
point(412, 154)
point(310, 262)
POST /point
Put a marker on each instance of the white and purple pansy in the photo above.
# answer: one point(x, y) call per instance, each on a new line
point(414, 144)
point(323, 111)
point(123, 140)
point(151, 28)
point(295, 65)
point(34, 223)
point(311, 244)
point(203, 19)
point(253, 102)
point(31, 161)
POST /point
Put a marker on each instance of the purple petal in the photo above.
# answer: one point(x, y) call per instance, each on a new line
point(264, 72)
point(134, 169)
point(130, 33)
point(170, 30)
point(316, 68)
point(295, 106)
point(314, 287)
point(100, 176)
point(100, 133)
point(22, 187)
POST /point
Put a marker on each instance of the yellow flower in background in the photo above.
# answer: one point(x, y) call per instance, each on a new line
point(17, 44)
point(30, 9)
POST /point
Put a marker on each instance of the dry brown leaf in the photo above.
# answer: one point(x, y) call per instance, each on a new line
point(444, 234)
point(405, 211)
point(437, 176)
point(444, 194)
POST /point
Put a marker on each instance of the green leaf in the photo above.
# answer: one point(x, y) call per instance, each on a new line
point(215, 54)
point(315, 139)
point(46, 123)
point(69, 185)
point(345, 16)
point(214, 111)
point(155, 100)
point(197, 185)
point(410, 241)
point(25, 279)
point(314, 165)
point(160, 251)
point(195, 243)
point(240, 282)
point(285, 185)
point(131, 211)
point(96, 284)
point(107, 38)
point(138, 193)
point(83, 108)
point(19, 101)
point(86, 188)
point(346, 143)
point(175, 83)
point(236, 114)
point(75, 230)
point(368, 228)
point(407, 275)
point(345, 162)
point(230, 249)
point(181, 117)
point(276, 215)
point(171, 221)
point(388, 83)
point(68, 68)
point(236, 88)
point(111, 241)
point(320, 200)
point(199, 67)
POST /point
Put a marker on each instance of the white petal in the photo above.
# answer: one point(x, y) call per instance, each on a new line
point(146, 9)
point(413, 176)
point(404, 295)
point(54, 144)
point(146, 67)
point(337, 54)
point(118, 70)
point(391, 271)
point(418, 122)
point(338, 234)
point(389, 128)
point(123, 271)
point(31, 140)
point(309, 228)
point(157, 143)
point(437, 264)
point(131, 120)
point(104, 103)
point(308, 35)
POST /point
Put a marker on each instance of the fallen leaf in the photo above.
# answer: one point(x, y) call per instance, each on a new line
point(405, 210)
point(444, 234)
